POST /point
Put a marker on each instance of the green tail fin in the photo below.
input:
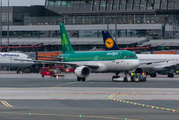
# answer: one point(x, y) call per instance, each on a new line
point(66, 45)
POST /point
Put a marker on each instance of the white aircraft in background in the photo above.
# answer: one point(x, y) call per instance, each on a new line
point(7, 60)
point(164, 64)
point(168, 67)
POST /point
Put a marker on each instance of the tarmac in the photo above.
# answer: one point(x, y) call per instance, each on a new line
point(29, 96)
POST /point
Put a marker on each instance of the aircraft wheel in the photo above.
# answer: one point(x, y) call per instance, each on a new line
point(83, 79)
point(153, 74)
point(125, 79)
point(78, 79)
point(170, 75)
point(113, 78)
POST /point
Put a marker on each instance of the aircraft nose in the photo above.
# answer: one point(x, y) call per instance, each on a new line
point(136, 63)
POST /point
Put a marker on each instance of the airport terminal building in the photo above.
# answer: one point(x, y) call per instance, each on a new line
point(149, 24)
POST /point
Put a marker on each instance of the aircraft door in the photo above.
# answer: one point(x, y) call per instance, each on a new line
point(118, 58)
point(96, 58)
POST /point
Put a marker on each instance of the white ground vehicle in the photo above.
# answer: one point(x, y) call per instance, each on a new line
point(140, 78)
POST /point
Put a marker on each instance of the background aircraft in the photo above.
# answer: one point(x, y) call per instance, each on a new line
point(155, 63)
point(7, 60)
point(97, 62)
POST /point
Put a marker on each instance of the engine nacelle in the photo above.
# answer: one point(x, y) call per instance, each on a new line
point(82, 71)
point(138, 70)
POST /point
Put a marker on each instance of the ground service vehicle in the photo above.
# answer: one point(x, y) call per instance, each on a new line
point(140, 78)
point(53, 73)
point(56, 71)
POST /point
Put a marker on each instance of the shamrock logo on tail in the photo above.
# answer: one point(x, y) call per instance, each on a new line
point(64, 40)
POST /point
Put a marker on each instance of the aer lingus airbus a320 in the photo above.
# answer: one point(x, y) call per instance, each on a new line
point(97, 62)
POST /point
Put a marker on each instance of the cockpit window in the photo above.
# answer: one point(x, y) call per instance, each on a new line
point(28, 57)
point(128, 57)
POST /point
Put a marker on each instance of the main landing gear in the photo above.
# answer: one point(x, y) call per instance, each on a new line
point(170, 75)
point(19, 70)
point(125, 78)
point(153, 74)
point(81, 79)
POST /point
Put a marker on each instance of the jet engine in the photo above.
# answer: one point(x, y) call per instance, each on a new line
point(138, 70)
point(82, 71)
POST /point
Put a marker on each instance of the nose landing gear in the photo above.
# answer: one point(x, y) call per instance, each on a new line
point(125, 79)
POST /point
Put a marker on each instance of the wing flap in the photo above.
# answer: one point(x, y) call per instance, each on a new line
point(162, 67)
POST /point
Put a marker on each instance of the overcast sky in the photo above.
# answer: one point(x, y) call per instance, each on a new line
point(23, 2)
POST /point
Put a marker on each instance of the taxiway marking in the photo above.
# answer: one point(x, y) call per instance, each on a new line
point(6, 104)
point(112, 97)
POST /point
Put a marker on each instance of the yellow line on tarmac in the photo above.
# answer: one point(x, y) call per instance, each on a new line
point(6, 104)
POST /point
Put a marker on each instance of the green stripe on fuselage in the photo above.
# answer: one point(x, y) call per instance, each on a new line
point(98, 56)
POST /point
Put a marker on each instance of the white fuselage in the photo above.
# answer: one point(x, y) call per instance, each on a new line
point(7, 60)
point(167, 60)
point(118, 65)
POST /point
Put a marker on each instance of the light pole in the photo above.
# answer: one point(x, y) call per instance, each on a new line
point(116, 25)
point(1, 27)
point(108, 18)
point(8, 28)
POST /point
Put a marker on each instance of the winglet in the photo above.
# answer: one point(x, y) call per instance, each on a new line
point(66, 45)
point(109, 42)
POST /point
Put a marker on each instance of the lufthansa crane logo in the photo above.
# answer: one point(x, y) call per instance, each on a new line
point(109, 43)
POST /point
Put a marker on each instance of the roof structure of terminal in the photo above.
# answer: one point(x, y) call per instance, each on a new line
point(166, 42)
point(102, 6)
point(74, 41)
point(142, 41)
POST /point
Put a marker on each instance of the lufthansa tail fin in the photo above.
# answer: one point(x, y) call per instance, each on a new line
point(109, 43)
point(66, 45)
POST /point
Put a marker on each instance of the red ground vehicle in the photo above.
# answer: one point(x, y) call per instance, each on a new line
point(68, 69)
point(56, 71)
point(48, 73)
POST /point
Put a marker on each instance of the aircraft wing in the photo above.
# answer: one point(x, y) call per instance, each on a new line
point(91, 66)
point(148, 63)
point(174, 65)
point(50, 57)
